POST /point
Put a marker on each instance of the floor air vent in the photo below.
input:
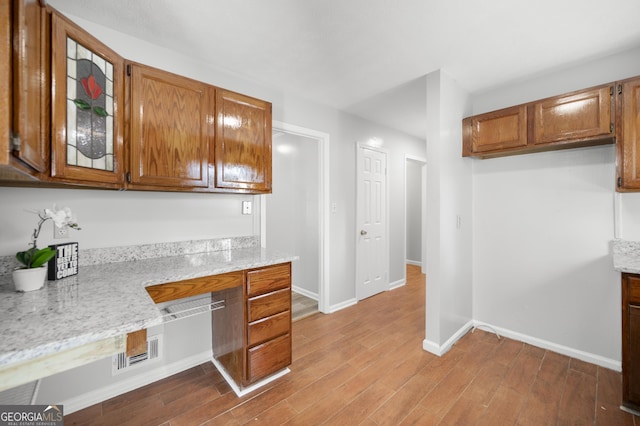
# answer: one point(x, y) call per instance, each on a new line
point(121, 362)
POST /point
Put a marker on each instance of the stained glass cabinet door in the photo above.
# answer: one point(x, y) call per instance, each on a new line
point(87, 112)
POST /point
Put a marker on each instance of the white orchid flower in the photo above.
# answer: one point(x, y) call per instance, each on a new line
point(62, 217)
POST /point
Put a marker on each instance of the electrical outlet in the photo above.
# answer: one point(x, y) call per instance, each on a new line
point(60, 232)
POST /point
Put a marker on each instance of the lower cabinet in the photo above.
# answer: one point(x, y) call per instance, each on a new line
point(631, 341)
point(252, 334)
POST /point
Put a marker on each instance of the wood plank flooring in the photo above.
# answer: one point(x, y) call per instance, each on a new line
point(302, 306)
point(365, 365)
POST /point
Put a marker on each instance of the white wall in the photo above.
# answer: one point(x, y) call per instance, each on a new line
point(292, 209)
point(449, 220)
point(542, 227)
point(414, 210)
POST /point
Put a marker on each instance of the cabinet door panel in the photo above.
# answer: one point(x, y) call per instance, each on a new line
point(634, 355)
point(5, 80)
point(628, 135)
point(497, 130)
point(582, 115)
point(170, 128)
point(31, 32)
point(87, 108)
point(243, 143)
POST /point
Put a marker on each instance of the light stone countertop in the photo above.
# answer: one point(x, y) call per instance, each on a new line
point(626, 256)
point(104, 300)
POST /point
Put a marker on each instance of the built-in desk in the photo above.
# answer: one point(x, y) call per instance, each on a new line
point(86, 317)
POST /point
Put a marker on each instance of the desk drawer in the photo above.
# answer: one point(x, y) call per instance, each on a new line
point(268, 328)
point(269, 304)
point(269, 358)
point(268, 279)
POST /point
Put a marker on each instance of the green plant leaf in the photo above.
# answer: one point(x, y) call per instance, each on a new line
point(82, 104)
point(34, 258)
point(42, 256)
point(100, 111)
point(24, 257)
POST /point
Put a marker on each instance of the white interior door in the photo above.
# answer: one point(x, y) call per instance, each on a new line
point(372, 251)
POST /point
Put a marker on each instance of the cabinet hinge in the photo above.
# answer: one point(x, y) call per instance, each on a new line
point(619, 182)
point(611, 91)
point(129, 70)
point(611, 128)
point(128, 177)
point(15, 141)
point(619, 89)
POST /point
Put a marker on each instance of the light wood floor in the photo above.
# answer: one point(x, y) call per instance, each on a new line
point(365, 365)
point(302, 306)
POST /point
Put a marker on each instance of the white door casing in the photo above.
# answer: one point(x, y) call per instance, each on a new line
point(372, 244)
point(323, 214)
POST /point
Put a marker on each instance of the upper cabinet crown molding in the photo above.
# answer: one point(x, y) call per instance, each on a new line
point(576, 119)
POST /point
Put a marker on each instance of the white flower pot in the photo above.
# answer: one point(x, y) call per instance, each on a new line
point(29, 279)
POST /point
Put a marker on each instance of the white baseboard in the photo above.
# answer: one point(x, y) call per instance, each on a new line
point(94, 397)
point(244, 391)
point(440, 350)
point(413, 262)
point(397, 284)
point(306, 293)
point(601, 361)
point(343, 305)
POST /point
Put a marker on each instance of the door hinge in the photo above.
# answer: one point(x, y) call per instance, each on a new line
point(15, 141)
point(128, 177)
point(129, 70)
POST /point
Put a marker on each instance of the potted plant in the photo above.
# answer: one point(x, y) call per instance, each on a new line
point(31, 275)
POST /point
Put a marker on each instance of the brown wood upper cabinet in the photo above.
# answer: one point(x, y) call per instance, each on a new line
point(77, 118)
point(24, 101)
point(628, 135)
point(87, 108)
point(576, 119)
point(580, 115)
point(495, 131)
point(171, 129)
point(243, 143)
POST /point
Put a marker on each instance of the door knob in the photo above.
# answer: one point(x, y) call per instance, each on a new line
point(363, 232)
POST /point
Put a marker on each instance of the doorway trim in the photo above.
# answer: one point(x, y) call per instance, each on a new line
point(323, 205)
point(423, 208)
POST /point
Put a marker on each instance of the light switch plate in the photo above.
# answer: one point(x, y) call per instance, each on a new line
point(246, 207)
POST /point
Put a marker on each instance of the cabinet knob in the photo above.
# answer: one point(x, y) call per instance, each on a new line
point(363, 232)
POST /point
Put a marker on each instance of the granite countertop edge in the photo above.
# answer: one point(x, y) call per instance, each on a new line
point(626, 256)
point(104, 301)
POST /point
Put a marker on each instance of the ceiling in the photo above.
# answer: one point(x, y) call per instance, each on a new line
point(369, 57)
